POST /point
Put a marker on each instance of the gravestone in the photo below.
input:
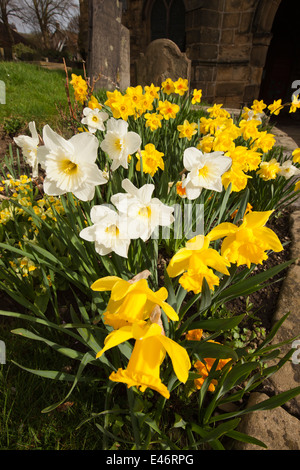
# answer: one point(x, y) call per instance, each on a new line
point(163, 59)
point(109, 45)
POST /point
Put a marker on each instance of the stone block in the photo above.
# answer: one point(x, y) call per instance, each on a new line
point(229, 89)
point(231, 20)
point(276, 428)
point(233, 53)
point(109, 47)
point(258, 55)
point(227, 36)
point(162, 59)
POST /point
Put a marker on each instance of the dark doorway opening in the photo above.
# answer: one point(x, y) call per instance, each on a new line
point(282, 68)
point(168, 21)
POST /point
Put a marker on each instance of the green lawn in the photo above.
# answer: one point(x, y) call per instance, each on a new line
point(33, 93)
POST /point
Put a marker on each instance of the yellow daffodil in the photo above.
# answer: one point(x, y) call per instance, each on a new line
point(187, 130)
point(94, 103)
point(275, 107)
point(192, 263)
point(181, 86)
point(167, 109)
point(197, 95)
point(152, 160)
point(151, 346)
point(297, 186)
point(296, 155)
point(249, 242)
point(269, 170)
point(258, 106)
point(153, 120)
point(152, 90)
point(167, 86)
point(236, 176)
point(131, 301)
point(295, 104)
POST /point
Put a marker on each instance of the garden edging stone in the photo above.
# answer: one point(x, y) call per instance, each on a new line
point(279, 428)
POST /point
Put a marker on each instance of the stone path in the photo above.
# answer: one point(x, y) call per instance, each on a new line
point(279, 429)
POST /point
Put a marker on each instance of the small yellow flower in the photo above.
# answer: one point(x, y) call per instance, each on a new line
point(152, 160)
point(153, 120)
point(295, 104)
point(94, 103)
point(187, 130)
point(269, 170)
point(296, 155)
point(167, 109)
point(276, 107)
point(181, 86)
point(197, 95)
point(168, 86)
point(258, 106)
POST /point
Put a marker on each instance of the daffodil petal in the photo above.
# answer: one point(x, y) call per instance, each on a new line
point(179, 357)
point(222, 230)
point(105, 283)
point(116, 337)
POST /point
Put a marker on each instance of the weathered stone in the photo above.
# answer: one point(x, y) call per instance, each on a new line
point(109, 50)
point(276, 428)
point(162, 59)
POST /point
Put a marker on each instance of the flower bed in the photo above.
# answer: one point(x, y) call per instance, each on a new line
point(148, 222)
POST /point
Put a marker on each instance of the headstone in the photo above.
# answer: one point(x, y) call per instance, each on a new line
point(163, 59)
point(109, 45)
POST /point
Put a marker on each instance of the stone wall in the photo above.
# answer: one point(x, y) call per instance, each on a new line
point(226, 40)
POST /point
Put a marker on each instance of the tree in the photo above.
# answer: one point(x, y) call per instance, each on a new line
point(44, 15)
point(8, 10)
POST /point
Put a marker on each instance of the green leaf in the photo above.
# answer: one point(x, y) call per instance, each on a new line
point(269, 404)
point(213, 350)
point(61, 349)
point(242, 437)
point(218, 324)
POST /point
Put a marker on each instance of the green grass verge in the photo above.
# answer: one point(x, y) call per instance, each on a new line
point(33, 93)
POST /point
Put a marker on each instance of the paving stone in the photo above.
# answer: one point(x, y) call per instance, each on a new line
point(276, 428)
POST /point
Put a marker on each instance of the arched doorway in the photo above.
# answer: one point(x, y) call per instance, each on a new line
point(282, 66)
point(166, 19)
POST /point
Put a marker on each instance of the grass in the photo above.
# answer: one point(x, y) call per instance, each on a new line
point(23, 396)
point(33, 93)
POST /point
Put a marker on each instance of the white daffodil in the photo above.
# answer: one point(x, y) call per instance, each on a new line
point(94, 119)
point(144, 212)
point(29, 147)
point(109, 232)
point(287, 169)
point(70, 164)
point(205, 171)
point(119, 143)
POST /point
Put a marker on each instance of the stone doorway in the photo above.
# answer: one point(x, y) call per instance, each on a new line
point(282, 66)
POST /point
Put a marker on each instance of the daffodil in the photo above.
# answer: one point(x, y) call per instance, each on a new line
point(181, 86)
point(151, 346)
point(249, 242)
point(296, 155)
point(119, 143)
point(29, 147)
point(145, 213)
point(70, 164)
point(167, 86)
point(275, 107)
point(295, 104)
point(205, 171)
point(109, 231)
point(197, 95)
point(194, 263)
point(151, 158)
point(94, 119)
point(287, 169)
point(269, 170)
point(131, 301)
point(153, 120)
point(167, 109)
point(187, 130)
